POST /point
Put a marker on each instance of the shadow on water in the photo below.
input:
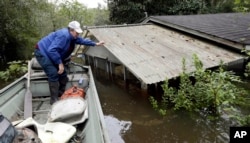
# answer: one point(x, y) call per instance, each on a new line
point(144, 125)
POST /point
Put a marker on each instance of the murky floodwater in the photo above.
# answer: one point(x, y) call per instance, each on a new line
point(131, 119)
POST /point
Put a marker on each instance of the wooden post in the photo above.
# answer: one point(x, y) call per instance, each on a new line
point(144, 85)
point(124, 73)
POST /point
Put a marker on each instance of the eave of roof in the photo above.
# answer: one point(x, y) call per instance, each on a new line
point(231, 29)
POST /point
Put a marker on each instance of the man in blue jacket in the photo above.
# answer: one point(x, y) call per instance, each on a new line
point(53, 49)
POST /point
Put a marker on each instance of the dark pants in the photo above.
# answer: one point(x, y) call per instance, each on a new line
point(57, 82)
point(49, 67)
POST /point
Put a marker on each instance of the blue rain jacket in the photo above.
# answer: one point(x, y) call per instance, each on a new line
point(58, 45)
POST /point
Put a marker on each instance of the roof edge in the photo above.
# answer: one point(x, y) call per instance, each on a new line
point(197, 33)
point(115, 26)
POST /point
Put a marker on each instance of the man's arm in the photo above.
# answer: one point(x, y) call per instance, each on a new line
point(100, 43)
point(88, 42)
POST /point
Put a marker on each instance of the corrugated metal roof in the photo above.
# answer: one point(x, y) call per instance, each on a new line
point(234, 27)
point(102, 53)
point(153, 53)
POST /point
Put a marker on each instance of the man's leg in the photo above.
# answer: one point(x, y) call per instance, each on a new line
point(51, 71)
point(62, 84)
point(53, 79)
point(54, 91)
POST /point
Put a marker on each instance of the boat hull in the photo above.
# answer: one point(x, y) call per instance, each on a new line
point(92, 130)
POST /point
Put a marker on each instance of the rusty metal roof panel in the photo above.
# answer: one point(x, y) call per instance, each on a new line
point(234, 27)
point(153, 53)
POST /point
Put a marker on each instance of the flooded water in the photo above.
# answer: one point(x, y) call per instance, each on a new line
point(131, 119)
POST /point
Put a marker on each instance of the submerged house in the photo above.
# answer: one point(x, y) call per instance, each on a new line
point(154, 49)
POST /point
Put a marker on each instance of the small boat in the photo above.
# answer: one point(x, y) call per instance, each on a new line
point(71, 120)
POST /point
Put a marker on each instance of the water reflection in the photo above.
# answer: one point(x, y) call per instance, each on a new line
point(116, 128)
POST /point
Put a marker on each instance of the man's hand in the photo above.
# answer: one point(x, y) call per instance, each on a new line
point(61, 69)
point(100, 43)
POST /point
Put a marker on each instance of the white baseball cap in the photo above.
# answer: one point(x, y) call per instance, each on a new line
point(76, 26)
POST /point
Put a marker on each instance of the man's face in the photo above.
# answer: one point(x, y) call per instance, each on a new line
point(74, 34)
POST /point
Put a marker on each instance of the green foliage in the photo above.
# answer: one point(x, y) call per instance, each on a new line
point(69, 10)
point(186, 7)
point(161, 107)
point(14, 71)
point(72, 10)
point(241, 5)
point(201, 6)
point(244, 120)
point(154, 103)
point(23, 23)
point(158, 7)
point(125, 12)
point(18, 31)
point(101, 16)
point(128, 11)
point(247, 69)
point(210, 92)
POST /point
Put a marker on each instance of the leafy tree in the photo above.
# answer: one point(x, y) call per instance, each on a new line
point(158, 7)
point(56, 15)
point(18, 31)
point(186, 7)
point(101, 16)
point(23, 23)
point(128, 11)
point(242, 5)
point(68, 11)
point(124, 11)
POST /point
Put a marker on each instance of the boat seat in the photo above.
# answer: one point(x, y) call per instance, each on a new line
point(71, 110)
point(36, 70)
point(35, 65)
point(56, 132)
